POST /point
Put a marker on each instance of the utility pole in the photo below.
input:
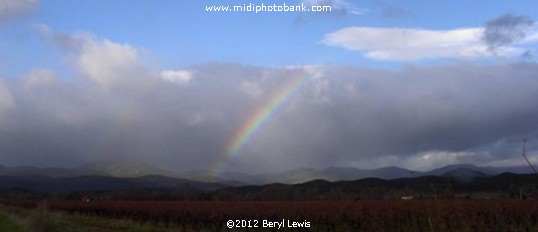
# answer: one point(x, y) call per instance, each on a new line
point(525, 156)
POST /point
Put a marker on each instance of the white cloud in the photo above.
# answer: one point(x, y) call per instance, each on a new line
point(15, 8)
point(413, 43)
point(102, 61)
point(64, 41)
point(251, 88)
point(432, 159)
point(313, 71)
point(531, 37)
point(179, 77)
point(106, 62)
point(38, 77)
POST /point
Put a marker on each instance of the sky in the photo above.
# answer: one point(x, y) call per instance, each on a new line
point(182, 86)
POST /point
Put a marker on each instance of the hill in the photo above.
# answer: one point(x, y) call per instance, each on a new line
point(445, 186)
point(43, 184)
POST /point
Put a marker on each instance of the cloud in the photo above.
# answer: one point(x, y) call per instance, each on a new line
point(251, 88)
point(179, 77)
point(412, 44)
point(6, 100)
point(106, 62)
point(12, 9)
point(418, 117)
point(66, 42)
point(38, 78)
point(116, 106)
point(506, 30)
point(527, 55)
point(103, 61)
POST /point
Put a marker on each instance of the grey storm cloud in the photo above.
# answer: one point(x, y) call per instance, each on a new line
point(114, 106)
point(12, 9)
point(341, 115)
point(527, 55)
point(506, 30)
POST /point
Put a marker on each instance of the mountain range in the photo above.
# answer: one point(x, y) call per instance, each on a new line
point(121, 169)
point(43, 184)
point(462, 171)
point(448, 185)
point(136, 181)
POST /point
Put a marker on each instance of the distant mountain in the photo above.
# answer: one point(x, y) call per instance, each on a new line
point(123, 169)
point(515, 169)
point(462, 171)
point(340, 173)
point(295, 176)
point(43, 184)
point(465, 175)
point(241, 177)
point(383, 173)
point(111, 169)
point(445, 169)
point(116, 169)
point(136, 169)
point(205, 177)
point(457, 181)
point(503, 185)
point(394, 173)
point(303, 175)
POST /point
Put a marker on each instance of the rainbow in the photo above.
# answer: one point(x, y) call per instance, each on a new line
point(260, 117)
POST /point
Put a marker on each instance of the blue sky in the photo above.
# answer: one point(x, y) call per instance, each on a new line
point(418, 84)
point(182, 33)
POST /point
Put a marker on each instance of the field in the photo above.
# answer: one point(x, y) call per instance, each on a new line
point(371, 215)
